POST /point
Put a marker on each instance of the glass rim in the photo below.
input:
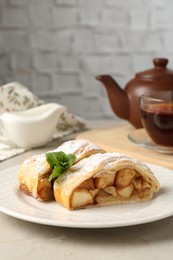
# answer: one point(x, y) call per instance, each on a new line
point(158, 99)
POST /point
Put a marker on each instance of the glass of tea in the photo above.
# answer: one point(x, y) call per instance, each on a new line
point(157, 117)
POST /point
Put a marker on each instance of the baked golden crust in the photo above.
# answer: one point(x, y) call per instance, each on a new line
point(33, 178)
point(35, 171)
point(105, 179)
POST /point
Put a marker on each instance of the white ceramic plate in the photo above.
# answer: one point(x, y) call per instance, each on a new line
point(140, 138)
point(15, 203)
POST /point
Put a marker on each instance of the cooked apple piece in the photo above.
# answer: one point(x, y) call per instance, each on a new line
point(93, 192)
point(145, 192)
point(103, 197)
point(44, 189)
point(104, 181)
point(111, 190)
point(138, 183)
point(124, 177)
point(88, 184)
point(125, 192)
point(81, 197)
point(145, 185)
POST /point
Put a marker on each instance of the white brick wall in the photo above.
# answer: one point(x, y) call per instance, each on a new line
point(57, 47)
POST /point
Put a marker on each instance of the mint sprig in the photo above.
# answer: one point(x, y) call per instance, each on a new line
point(59, 162)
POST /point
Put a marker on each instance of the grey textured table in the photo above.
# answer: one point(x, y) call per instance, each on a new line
point(24, 240)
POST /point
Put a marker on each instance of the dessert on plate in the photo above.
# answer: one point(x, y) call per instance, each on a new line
point(80, 174)
point(35, 171)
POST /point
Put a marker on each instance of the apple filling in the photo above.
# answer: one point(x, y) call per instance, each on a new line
point(108, 188)
point(44, 190)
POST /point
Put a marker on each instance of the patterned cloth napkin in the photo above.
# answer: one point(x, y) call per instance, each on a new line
point(16, 97)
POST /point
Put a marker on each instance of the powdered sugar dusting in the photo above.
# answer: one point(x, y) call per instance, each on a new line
point(39, 163)
point(106, 159)
point(78, 147)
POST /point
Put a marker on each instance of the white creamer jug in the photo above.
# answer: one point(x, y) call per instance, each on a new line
point(30, 128)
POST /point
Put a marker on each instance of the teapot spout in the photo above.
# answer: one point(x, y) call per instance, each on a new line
point(118, 97)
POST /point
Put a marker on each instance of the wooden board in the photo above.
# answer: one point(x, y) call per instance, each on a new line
point(115, 140)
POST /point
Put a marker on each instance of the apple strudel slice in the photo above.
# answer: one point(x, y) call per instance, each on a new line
point(35, 171)
point(105, 179)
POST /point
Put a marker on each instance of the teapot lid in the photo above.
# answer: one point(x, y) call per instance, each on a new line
point(158, 72)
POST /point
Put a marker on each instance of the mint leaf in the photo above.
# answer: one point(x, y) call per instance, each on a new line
point(55, 174)
point(59, 162)
point(71, 159)
point(51, 158)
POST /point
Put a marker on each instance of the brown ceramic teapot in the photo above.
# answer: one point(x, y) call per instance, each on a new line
point(125, 102)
